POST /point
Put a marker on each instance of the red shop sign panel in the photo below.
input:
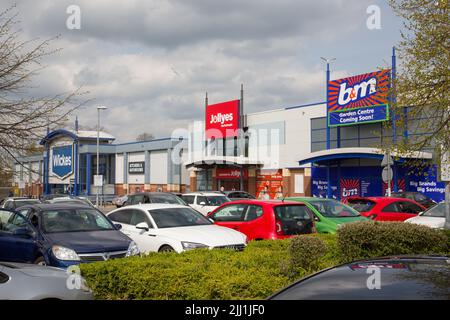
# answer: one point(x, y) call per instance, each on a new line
point(222, 120)
point(230, 173)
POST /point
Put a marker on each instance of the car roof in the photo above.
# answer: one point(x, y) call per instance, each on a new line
point(57, 206)
point(317, 286)
point(267, 202)
point(378, 199)
point(204, 194)
point(153, 206)
point(151, 192)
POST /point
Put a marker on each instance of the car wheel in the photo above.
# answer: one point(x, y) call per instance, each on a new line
point(40, 261)
point(166, 248)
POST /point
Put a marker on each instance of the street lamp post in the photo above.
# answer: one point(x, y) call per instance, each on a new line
point(98, 149)
point(328, 61)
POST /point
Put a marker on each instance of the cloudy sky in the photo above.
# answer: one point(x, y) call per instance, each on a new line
point(151, 61)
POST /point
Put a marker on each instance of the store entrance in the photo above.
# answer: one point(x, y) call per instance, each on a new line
point(232, 184)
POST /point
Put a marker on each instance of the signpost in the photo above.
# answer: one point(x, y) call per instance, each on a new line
point(387, 171)
point(445, 176)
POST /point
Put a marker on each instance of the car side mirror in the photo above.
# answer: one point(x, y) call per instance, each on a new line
point(212, 220)
point(142, 226)
point(118, 226)
point(23, 232)
point(202, 203)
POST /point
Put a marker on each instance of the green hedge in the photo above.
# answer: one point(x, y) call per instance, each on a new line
point(376, 239)
point(261, 269)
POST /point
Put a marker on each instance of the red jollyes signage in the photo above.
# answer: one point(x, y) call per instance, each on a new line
point(230, 173)
point(222, 120)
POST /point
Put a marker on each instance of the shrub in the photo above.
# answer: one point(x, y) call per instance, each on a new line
point(306, 251)
point(375, 239)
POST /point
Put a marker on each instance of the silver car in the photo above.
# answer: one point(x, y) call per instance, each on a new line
point(19, 281)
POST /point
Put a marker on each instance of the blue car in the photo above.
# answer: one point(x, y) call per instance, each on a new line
point(61, 235)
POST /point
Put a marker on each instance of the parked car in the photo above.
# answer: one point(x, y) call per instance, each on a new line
point(16, 202)
point(269, 219)
point(153, 197)
point(205, 202)
point(329, 214)
point(415, 196)
point(60, 235)
point(238, 195)
point(401, 278)
point(173, 227)
point(120, 201)
point(386, 208)
point(433, 217)
point(19, 281)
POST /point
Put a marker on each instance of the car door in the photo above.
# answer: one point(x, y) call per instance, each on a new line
point(146, 240)
point(201, 205)
point(253, 224)
point(408, 210)
point(123, 217)
point(13, 246)
point(231, 216)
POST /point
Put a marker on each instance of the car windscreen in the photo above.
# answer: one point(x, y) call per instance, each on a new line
point(361, 205)
point(333, 209)
point(437, 211)
point(216, 201)
point(166, 198)
point(178, 217)
point(74, 220)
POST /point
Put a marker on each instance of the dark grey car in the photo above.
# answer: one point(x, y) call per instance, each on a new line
point(19, 281)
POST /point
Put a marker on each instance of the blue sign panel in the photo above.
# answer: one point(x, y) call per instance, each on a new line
point(360, 115)
point(62, 159)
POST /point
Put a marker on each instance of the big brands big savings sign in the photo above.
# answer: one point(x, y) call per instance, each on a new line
point(359, 99)
point(62, 161)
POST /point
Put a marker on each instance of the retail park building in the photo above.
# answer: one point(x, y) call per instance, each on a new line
point(293, 151)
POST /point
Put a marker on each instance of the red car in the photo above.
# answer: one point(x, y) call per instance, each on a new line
point(386, 208)
point(265, 219)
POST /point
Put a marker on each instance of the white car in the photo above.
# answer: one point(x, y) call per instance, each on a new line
point(205, 202)
point(434, 217)
point(172, 227)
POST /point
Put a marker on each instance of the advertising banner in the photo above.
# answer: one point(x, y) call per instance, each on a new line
point(62, 160)
point(359, 99)
point(222, 120)
point(349, 188)
point(269, 184)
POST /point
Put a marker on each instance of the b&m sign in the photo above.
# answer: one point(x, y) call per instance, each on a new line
point(62, 159)
point(359, 99)
point(222, 120)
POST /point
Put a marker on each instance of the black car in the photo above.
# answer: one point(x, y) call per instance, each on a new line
point(415, 196)
point(154, 197)
point(238, 195)
point(390, 278)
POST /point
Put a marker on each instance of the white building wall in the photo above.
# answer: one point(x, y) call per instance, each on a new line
point(158, 167)
point(119, 168)
point(297, 132)
point(35, 172)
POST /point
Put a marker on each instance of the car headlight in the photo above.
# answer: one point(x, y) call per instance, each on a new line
point(66, 254)
point(192, 245)
point(133, 249)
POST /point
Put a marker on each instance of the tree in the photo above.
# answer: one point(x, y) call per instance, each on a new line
point(423, 80)
point(145, 136)
point(423, 83)
point(24, 119)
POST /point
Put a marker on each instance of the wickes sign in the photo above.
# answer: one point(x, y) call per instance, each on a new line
point(358, 99)
point(62, 160)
